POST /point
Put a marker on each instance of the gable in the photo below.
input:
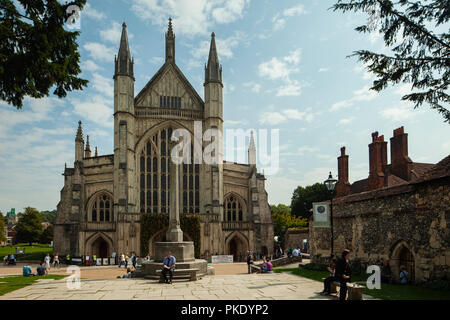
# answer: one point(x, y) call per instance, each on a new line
point(169, 81)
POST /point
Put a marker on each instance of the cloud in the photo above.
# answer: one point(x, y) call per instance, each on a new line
point(90, 12)
point(401, 112)
point(99, 51)
point(190, 17)
point(282, 69)
point(363, 94)
point(114, 33)
point(272, 118)
point(103, 85)
point(225, 47)
point(344, 121)
point(255, 87)
point(280, 19)
point(324, 69)
point(96, 109)
point(90, 65)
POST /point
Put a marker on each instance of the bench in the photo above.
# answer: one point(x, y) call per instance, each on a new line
point(180, 273)
point(354, 290)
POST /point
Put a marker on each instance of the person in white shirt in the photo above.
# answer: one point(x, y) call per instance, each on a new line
point(47, 262)
point(295, 253)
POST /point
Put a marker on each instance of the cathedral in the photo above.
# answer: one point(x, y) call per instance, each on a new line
point(105, 196)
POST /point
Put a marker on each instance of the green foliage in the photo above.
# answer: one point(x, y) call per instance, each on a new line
point(316, 266)
point(283, 220)
point(29, 227)
point(47, 235)
point(420, 55)
point(36, 52)
point(303, 198)
point(48, 216)
point(2, 228)
point(153, 223)
point(36, 252)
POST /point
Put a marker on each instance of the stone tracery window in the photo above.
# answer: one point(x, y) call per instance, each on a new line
point(101, 209)
point(233, 208)
point(155, 177)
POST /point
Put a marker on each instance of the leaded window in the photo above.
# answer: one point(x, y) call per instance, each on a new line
point(233, 209)
point(155, 177)
point(101, 209)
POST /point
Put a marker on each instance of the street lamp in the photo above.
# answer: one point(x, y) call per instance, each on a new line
point(330, 183)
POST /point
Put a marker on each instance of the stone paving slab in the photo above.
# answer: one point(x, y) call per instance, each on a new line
point(282, 286)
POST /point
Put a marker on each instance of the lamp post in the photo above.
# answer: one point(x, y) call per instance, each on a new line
point(330, 183)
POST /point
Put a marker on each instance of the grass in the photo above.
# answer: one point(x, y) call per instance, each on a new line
point(12, 283)
point(36, 252)
point(387, 291)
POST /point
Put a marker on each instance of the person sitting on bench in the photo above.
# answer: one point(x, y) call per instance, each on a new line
point(327, 282)
point(343, 273)
point(168, 267)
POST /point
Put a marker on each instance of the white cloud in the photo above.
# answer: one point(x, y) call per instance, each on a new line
point(292, 89)
point(156, 60)
point(103, 85)
point(272, 118)
point(344, 121)
point(90, 65)
point(99, 51)
point(324, 69)
point(90, 12)
point(294, 11)
point(255, 87)
point(280, 68)
point(294, 114)
point(114, 33)
point(363, 94)
point(279, 20)
point(190, 17)
point(225, 47)
point(96, 109)
point(401, 112)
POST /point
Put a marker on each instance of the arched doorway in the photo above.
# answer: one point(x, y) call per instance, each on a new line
point(237, 247)
point(100, 248)
point(402, 256)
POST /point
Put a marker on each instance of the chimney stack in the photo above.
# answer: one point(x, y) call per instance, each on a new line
point(343, 185)
point(377, 161)
point(401, 164)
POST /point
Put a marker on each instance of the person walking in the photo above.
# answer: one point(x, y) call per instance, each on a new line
point(126, 260)
point(134, 260)
point(343, 273)
point(47, 263)
point(94, 260)
point(122, 260)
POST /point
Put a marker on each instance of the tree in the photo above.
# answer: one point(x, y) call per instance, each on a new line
point(283, 220)
point(419, 55)
point(2, 228)
point(48, 216)
point(36, 52)
point(29, 227)
point(303, 198)
point(47, 235)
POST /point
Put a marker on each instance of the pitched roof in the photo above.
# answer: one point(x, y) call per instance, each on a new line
point(189, 88)
point(440, 170)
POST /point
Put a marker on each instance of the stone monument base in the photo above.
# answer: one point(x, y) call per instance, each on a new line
point(182, 251)
point(148, 269)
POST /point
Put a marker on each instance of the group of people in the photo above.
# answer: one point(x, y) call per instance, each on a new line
point(9, 259)
point(124, 260)
point(266, 266)
point(43, 268)
point(340, 271)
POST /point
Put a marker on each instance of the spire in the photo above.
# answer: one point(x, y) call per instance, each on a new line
point(79, 136)
point(123, 62)
point(213, 71)
point(170, 43)
point(87, 151)
point(96, 152)
point(252, 151)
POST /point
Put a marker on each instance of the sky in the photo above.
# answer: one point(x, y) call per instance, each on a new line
point(285, 66)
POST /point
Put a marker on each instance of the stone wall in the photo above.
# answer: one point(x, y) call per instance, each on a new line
point(294, 238)
point(407, 224)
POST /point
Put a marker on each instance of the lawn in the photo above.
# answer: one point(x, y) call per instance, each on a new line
point(387, 291)
point(33, 253)
point(12, 283)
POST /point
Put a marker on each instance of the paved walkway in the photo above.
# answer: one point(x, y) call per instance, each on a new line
point(220, 287)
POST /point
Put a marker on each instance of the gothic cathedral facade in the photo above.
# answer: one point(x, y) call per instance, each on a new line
point(104, 196)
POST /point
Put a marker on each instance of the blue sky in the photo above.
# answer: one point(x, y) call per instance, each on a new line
point(284, 67)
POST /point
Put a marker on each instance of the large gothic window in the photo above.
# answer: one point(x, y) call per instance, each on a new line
point(155, 177)
point(233, 208)
point(101, 209)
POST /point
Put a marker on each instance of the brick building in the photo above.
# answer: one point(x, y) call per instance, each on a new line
point(400, 213)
